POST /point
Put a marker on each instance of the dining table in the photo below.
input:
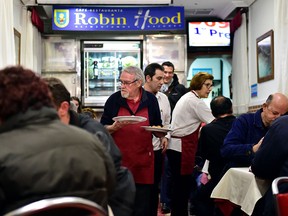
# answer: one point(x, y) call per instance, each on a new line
point(239, 188)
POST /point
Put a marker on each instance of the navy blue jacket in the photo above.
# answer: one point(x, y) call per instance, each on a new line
point(246, 131)
point(271, 161)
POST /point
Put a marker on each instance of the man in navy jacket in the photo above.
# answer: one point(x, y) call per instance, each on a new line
point(248, 130)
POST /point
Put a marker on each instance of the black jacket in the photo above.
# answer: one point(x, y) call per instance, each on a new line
point(41, 157)
point(210, 142)
point(122, 200)
point(175, 91)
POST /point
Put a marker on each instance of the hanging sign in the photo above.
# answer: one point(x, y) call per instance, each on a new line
point(71, 18)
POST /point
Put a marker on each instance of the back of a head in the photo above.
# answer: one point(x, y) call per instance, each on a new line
point(58, 89)
point(21, 89)
point(221, 105)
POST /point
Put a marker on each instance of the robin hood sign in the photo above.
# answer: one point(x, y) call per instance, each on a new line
point(66, 18)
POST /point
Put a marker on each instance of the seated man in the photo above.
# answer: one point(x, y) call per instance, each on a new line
point(271, 160)
point(210, 141)
point(248, 130)
point(40, 156)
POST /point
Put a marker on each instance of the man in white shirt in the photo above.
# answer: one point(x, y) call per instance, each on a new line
point(154, 74)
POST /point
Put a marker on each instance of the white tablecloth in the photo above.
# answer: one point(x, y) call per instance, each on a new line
point(240, 187)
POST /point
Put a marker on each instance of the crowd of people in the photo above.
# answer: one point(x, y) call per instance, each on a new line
point(51, 146)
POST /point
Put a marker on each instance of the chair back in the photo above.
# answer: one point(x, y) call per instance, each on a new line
point(64, 206)
point(281, 199)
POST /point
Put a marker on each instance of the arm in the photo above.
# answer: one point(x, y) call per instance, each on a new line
point(204, 112)
point(271, 158)
point(110, 111)
point(239, 142)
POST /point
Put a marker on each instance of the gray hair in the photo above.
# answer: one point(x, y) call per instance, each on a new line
point(139, 75)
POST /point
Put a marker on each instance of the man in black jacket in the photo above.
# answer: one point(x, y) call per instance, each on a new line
point(210, 142)
point(174, 91)
point(122, 200)
point(171, 87)
point(270, 162)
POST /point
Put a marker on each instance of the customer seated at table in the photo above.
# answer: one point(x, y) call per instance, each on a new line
point(248, 130)
point(271, 159)
point(40, 156)
point(211, 139)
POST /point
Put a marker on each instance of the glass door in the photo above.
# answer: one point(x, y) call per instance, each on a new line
point(103, 63)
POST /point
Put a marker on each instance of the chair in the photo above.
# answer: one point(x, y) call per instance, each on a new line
point(280, 198)
point(64, 206)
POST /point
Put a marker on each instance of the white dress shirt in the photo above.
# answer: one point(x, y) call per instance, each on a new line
point(165, 111)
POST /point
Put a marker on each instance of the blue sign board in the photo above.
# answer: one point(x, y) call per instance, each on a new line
point(71, 18)
point(254, 90)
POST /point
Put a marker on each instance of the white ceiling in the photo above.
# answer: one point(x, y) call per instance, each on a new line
point(221, 9)
point(211, 8)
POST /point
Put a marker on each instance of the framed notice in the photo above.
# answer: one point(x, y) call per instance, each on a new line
point(265, 57)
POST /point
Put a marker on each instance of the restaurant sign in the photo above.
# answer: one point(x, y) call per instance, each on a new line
point(71, 18)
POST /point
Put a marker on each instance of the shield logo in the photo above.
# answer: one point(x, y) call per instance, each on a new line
point(61, 18)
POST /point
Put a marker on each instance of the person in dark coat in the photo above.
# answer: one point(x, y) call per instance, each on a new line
point(122, 200)
point(40, 156)
point(271, 161)
point(171, 87)
point(210, 141)
point(174, 91)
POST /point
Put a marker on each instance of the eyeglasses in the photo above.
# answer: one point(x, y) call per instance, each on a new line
point(126, 83)
point(208, 85)
point(275, 113)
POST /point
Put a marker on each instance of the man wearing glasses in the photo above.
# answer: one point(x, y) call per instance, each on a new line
point(248, 130)
point(134, 142)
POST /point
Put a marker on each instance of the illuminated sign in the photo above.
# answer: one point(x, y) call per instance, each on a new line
point(209, 33)
point(66, 18)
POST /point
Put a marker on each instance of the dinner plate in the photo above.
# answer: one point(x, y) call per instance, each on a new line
point(132, 119)
point(157, 129)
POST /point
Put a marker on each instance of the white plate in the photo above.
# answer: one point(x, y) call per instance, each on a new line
point(156, 129)
point(132, 119)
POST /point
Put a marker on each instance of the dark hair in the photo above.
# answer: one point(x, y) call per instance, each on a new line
point(221, 105)
point(269, 99)
point(21, 89)
point(198, 80)
point(79, 109)
point(151, 69)
point(168, 64)
point(58, 89)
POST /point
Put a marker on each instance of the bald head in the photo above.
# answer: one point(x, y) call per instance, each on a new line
point(279, 100)
point(275, 106)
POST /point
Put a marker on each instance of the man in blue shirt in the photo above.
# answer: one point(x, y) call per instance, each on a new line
point(248, 130)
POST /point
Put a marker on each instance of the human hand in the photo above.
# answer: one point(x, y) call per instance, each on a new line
point(256, 146)
point(117, 125)
point(164, 144)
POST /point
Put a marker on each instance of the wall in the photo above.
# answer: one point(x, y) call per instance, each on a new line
point(261, 20)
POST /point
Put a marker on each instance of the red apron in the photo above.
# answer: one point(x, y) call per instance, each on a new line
point(189, 148)
point(135, 144)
